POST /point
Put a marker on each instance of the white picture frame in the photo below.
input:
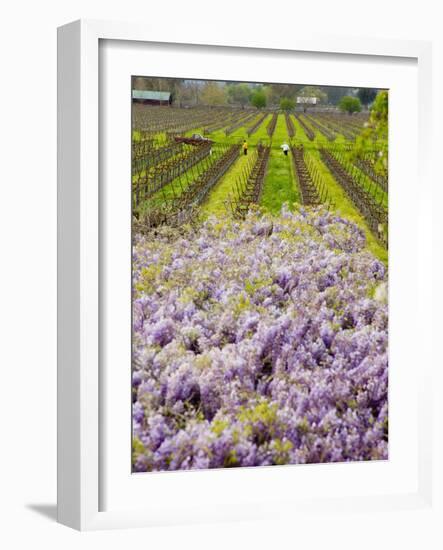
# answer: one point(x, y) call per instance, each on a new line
point(80, 413)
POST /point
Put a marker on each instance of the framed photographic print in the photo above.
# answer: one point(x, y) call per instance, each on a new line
point(236, 228)
point(260, 316)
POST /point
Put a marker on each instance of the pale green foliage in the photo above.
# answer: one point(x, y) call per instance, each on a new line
point(349, 104)
point(287, 104)
point(213, 94)
point(258, 99)
point(375, 136)
point(239, 93)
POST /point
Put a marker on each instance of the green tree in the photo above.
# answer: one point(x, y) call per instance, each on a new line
point(267, 89)
point(258, 99)
point(366, 95)
point(379, 112)
point(374, 138)
point(239, 93)
point(349, 104)
point(287, 104)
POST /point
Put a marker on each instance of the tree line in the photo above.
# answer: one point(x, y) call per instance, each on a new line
point(284, 96)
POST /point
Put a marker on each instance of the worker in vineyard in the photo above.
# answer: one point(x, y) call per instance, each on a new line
point(285, 148)
point(245, 147)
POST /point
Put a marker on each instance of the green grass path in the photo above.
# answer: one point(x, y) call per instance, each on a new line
point(215, 203)
point(279, 185)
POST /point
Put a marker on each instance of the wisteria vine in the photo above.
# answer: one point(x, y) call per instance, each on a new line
point(258, 342)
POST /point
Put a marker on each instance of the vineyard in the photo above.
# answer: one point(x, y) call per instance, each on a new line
point(174, 182)
point(260, 252)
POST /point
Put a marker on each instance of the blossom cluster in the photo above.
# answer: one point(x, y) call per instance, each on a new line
point(258, 342)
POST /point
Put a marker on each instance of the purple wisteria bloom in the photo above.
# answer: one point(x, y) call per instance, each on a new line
point(259, 342)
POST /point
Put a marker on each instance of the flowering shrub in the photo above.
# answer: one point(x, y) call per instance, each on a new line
point(258, 342)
